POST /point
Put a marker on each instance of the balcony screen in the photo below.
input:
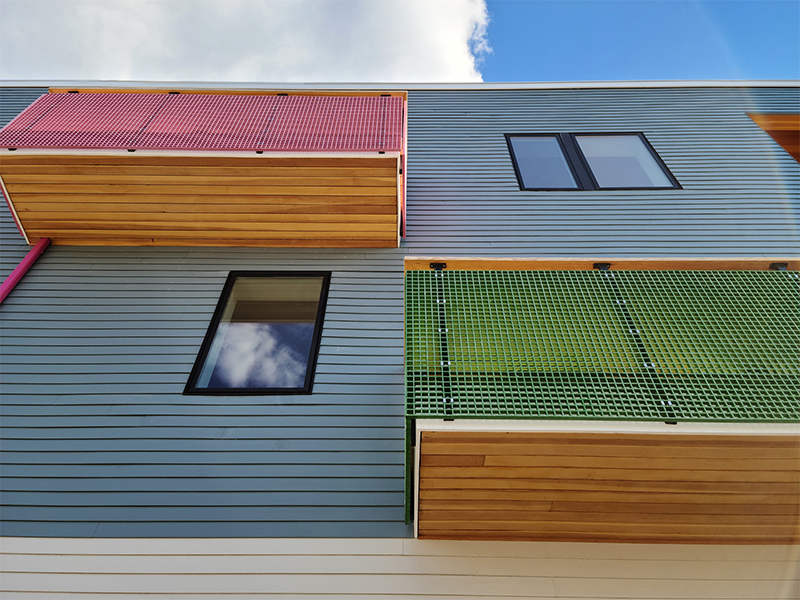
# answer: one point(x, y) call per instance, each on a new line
point(640, 345)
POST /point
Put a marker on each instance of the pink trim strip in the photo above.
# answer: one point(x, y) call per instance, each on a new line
point(22, 268)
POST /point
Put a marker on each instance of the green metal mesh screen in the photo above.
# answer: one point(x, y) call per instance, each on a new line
point(639, 345)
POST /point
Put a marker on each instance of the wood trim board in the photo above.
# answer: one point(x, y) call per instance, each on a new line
point(463, 263)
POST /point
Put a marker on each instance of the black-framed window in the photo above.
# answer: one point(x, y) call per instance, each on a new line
point(587, 161)
point(265, 334)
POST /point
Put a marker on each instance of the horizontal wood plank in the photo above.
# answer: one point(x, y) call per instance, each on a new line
point(14, 181)
point(177, 200)
point(607, 496)
point(13, 171)
point(659, 507)
point(249, 221)
point(226, 242)
point(79, 210)
point(307, 231)
point(538, 448)
point(635, 462)
point(632, 517)
point(201, 190)
point(644, 473)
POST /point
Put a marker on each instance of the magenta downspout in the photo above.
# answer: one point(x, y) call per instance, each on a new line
point(22, 268)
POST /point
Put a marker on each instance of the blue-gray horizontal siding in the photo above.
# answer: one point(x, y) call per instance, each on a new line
point(97, 343)
point(739, 196)
point(98, 439)
point(12, 245)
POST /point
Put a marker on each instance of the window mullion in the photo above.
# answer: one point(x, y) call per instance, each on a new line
point(579, 168)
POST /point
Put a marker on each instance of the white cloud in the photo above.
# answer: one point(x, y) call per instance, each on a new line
point(252, 355)
point(243, 40)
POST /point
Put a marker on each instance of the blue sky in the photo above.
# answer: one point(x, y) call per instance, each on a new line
point(632, 40)
point(399, 41)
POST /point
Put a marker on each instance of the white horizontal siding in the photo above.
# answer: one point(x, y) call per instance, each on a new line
point(395, 568)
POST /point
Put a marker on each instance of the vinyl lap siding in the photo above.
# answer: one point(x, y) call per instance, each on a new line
point(99, 441)
point(372, 569)
point(97, 343)
point(740, 195)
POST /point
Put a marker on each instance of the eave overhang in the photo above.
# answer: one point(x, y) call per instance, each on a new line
point(191, 169)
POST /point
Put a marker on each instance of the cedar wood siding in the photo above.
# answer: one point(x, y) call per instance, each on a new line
point(98, 439)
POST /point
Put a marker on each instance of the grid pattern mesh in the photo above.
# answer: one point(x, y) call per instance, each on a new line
point(638, 345)
point(209, 122)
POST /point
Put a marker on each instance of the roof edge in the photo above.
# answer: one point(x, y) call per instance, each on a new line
point(202, 85)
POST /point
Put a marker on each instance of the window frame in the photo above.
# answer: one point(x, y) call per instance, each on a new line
point(227, 288)
point(559, 140)
point(579, 165)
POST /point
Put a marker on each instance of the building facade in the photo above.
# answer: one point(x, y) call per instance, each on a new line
point(117, 481)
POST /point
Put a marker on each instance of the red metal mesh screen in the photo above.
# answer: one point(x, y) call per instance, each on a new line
point(208, 122)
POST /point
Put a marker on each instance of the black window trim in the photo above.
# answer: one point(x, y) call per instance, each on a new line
point(214, 325)
point(579, 166)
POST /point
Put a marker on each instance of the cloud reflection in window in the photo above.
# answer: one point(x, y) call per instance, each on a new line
point(262, 355)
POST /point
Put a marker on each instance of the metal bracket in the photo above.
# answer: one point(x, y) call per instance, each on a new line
point(602, 266)
point(438, 266)
point(779, 266)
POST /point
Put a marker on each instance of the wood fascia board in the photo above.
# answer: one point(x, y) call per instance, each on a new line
point(462, 263)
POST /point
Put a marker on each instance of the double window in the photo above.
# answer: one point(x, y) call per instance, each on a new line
point(264, 336)
point(587, 161)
